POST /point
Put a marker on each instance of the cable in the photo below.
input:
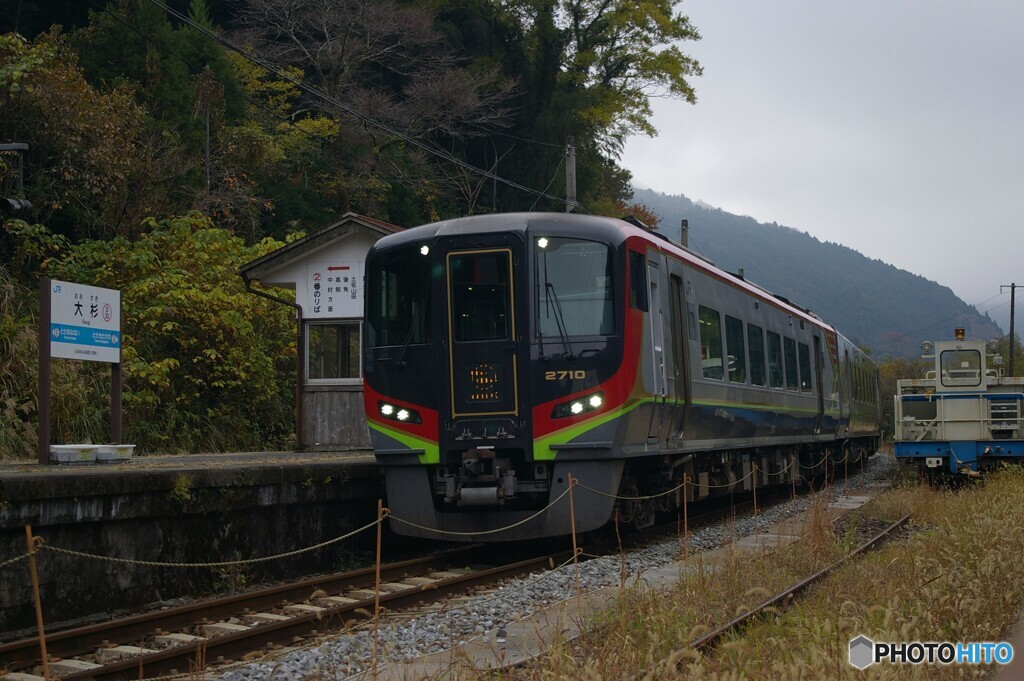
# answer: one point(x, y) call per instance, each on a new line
point(524, 139)
point(553, 176)
point(317, 93)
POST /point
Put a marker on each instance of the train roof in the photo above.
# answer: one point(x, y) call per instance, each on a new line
point(612, 230)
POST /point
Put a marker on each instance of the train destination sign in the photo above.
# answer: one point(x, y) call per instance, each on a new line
point(85, 322)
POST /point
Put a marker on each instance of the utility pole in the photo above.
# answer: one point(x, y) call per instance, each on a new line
point(570, 173)
point(1013, 338)
point(684, 232)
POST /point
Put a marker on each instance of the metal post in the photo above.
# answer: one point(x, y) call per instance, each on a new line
point(116, 385)
point(38, 600)
point(686, 519)
point(570, 174)
point(44, 371)
point(376, 588)
point(575, 550)
point(1013, 337)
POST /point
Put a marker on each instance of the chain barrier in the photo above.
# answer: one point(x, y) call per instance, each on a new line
point(788, 466)
point(221, 564)
point(828, 453)
point(483, 532)
point(14, 560)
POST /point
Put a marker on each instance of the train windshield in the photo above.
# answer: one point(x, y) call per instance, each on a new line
point(573, 288)
point(961, 367)
point(398, 298)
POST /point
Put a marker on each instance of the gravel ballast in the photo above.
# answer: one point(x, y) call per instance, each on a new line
point(404, 638)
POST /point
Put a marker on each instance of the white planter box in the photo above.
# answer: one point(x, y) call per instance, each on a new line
point(114, 453)
point(73, 453)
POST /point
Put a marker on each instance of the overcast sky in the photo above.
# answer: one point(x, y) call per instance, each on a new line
point(894, 127)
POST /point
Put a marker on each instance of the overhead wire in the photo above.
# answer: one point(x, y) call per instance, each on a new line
point(360, 116)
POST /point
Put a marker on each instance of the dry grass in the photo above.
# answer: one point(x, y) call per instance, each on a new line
point(960, 577)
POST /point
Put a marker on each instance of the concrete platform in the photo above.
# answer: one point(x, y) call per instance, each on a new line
point(174, 509)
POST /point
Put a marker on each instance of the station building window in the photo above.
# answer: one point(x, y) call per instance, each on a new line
point(332, 352)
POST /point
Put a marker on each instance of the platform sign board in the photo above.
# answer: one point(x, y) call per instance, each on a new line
point(85, 322)
point(333, 289)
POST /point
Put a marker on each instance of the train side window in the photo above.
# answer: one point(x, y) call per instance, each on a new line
point(637, 281)
point(805, 367)
point(711, 343)
point(755, 338)
point(735, 347)
point(792, 380)
point(774, 360)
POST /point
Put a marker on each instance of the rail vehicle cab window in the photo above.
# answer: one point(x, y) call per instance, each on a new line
point(805, 367)
point(574, 287)
point(711, 343)
point(735, 347)
point(774, 360)
point(481, 296)
point(398, 298)
point(755, 338)
point(792, 379)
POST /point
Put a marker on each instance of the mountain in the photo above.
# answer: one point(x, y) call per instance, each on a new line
point(872, 303)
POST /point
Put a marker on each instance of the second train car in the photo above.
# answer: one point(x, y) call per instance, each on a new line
point(505, 353)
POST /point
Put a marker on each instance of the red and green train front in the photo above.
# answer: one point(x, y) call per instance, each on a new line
point(494, 370)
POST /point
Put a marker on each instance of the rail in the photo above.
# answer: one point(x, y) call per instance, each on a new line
point(780, 599)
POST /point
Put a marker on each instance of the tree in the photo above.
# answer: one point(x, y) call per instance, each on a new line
point(891, 370)
point(587, 69)
point(94, 167)
point(208, 366)
point(387, 76)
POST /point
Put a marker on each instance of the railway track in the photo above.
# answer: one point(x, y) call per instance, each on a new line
point(783, 598)
point(227, 629)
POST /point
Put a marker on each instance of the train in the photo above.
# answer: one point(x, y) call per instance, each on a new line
point(531, 375)
point(964, 417)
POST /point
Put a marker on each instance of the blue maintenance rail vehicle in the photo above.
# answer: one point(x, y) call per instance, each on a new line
point(964, 416)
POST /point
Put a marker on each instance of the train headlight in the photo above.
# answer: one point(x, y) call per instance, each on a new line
point(578, 406)
point(403, 414)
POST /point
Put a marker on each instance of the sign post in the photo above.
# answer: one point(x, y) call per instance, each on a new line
point(78, 322)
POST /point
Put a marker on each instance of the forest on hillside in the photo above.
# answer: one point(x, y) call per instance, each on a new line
point(884, 309)
point(168, 143)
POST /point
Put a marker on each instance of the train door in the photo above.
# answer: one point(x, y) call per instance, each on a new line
point(657, 322)
point(680, 369)
point(819, 383)
point(482, 332)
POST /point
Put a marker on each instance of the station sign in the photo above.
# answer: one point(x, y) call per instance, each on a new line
point(85, 322)
point(334, 289)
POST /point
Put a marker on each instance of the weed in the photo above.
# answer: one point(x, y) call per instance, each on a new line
point(948, 581)
point(232, 578)
point(181, 489)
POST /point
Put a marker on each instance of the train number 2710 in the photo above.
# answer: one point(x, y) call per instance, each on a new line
point(563, 374)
